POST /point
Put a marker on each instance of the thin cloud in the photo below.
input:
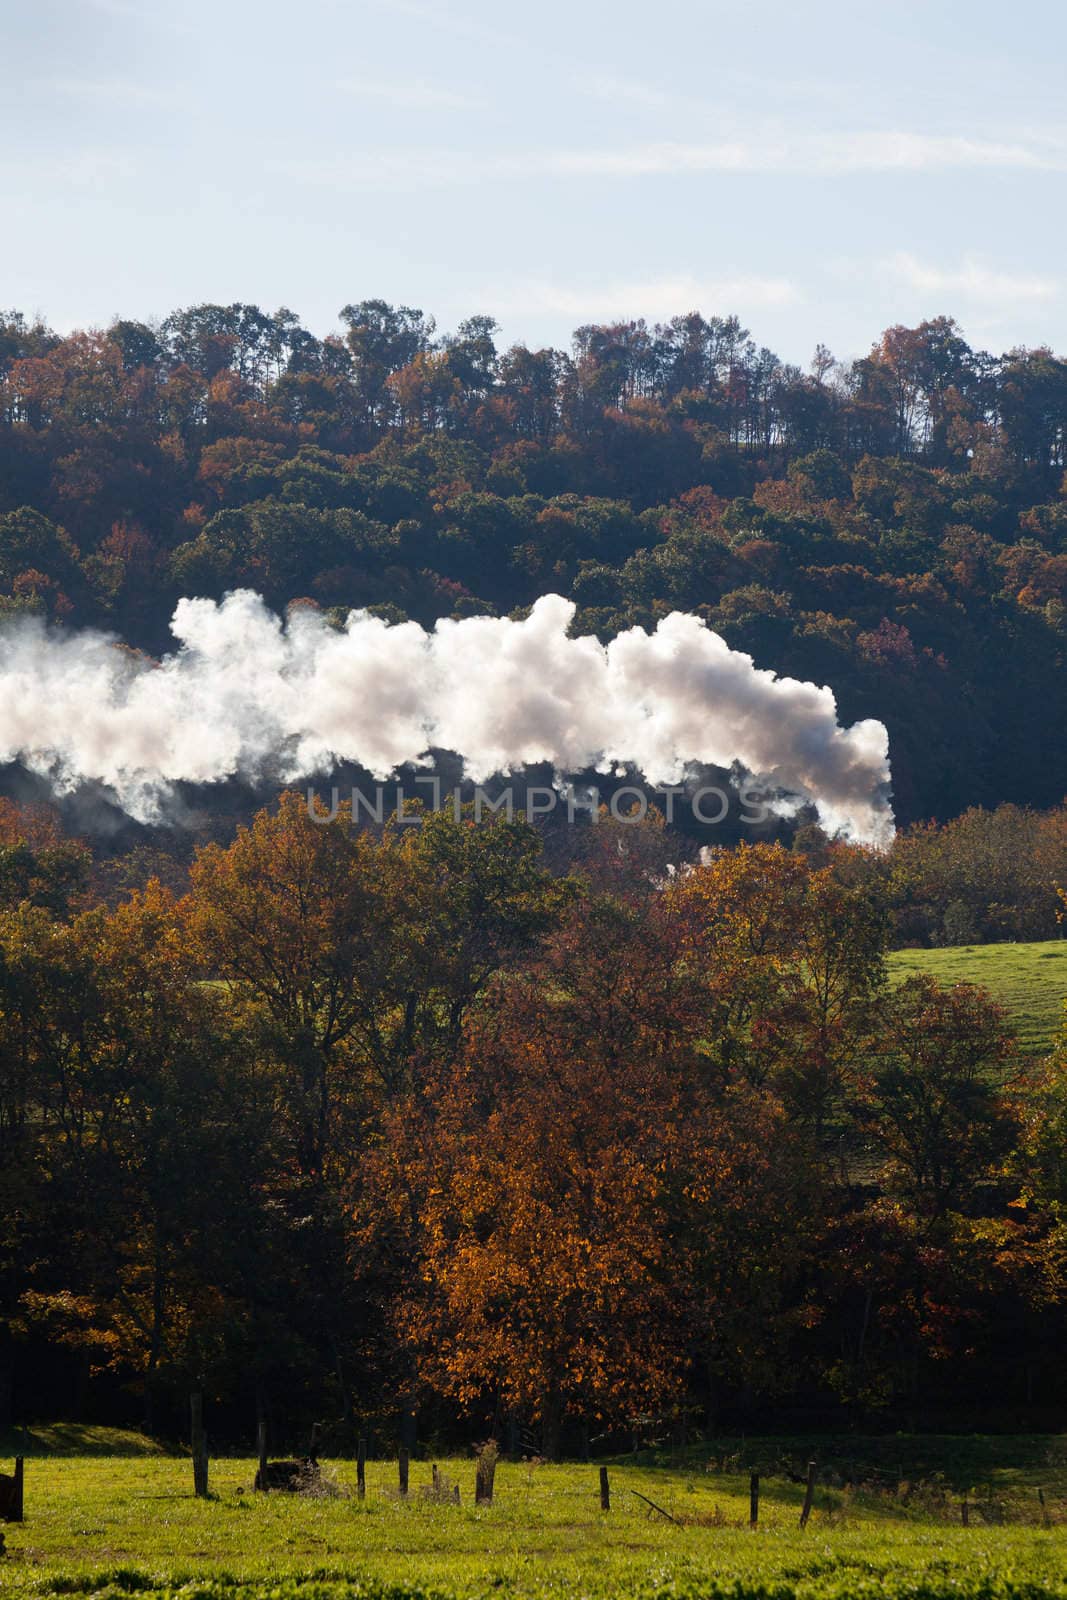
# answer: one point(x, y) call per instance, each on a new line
point(449, 21)
point(111, 91)
point(383, 171)
point(819, 155)
point(971, 281)
point(815, 155)
point(410, 96)
point(657, 298)
point(123, 8)
point(146, 15)
point(607, 86)
point(733, 86)
point(86, 169)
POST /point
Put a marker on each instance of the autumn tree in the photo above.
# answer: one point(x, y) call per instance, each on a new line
point(38, 864)
point(136, 1084)
point(791, 957)
point(593, 1214)
point(929, 1097)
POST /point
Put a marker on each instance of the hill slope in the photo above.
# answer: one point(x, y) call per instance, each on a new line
point(1030, 979)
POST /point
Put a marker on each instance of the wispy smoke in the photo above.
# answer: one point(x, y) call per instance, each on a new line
point(248, 696)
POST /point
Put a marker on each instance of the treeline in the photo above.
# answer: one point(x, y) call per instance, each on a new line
point(403, 1129)
point(985, 877)
point(921, 392)
point(894, 526)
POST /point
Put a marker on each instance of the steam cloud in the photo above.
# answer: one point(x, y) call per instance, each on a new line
point(246, 695)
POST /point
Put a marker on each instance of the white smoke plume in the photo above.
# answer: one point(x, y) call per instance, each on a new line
point(245, 695)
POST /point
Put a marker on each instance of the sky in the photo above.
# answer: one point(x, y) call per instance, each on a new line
point(822, 170)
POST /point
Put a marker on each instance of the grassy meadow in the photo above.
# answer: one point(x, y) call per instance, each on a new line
point(124, 1520)
point(1029, 979)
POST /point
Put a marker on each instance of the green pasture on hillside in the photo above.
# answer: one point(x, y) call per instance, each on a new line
point(1029, 979)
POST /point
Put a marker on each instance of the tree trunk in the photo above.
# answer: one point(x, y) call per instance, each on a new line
point(148, 1407)
point(155, 1347)
point(198, 1440)
point(7, 1378)
point(551, 1424)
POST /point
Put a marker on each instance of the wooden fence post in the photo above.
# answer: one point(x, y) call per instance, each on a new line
point(809, 1493)
point(965, 1512)
point(361, 1470)
point(1045, 1523)
point(261, 1440)
point(198, 1440)
point(753, 1500)
point(402, 1462)
point(484, 1474)
point(605, 1490)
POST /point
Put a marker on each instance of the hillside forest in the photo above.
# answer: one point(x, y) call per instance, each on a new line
point(454, 1130)
point(893, 526)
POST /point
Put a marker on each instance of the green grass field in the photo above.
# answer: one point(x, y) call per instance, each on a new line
point(1030, 979)
point(127, 1522)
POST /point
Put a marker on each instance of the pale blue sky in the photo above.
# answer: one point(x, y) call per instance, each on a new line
point(821, 169)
